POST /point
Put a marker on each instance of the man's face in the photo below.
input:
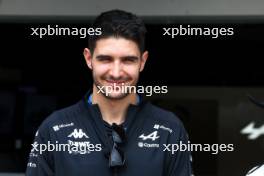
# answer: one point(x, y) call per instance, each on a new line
point(115, 63)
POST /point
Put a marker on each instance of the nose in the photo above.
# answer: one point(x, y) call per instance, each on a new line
point(116, 70)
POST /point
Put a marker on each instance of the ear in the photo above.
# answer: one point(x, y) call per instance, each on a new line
point(143, 60)
point(88, 57)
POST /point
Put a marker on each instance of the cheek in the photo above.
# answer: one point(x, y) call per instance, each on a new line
point(132, 71)
point(100, 69)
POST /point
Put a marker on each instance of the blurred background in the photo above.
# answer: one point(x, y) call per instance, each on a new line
point(208, 80)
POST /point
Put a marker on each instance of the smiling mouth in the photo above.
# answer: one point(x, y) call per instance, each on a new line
point(116, 82)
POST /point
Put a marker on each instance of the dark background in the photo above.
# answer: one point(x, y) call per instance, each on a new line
point(38, 76)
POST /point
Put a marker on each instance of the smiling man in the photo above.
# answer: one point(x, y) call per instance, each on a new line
point(112, 131)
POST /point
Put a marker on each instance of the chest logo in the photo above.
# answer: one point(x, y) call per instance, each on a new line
point(253, 133)
point(153, 136)
point(78, 134)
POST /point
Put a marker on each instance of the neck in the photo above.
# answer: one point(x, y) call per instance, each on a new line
point(113, 110)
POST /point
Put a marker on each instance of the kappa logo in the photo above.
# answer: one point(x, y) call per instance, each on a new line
point(153, 136)
point(78, 133)
point(253, 132)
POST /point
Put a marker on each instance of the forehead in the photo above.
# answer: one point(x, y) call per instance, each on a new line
point(116, 46)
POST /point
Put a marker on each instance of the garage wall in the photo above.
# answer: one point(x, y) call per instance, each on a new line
point(144, 8)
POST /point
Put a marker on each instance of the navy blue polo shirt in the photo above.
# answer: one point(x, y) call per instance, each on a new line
point(80, 129)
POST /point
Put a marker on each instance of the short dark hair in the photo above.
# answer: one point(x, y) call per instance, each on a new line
point(118, 23)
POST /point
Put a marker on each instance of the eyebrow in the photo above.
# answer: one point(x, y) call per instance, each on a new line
point(101, 57)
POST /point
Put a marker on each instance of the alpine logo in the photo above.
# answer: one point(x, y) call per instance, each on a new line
point(153, 136)
point(78, 134)
point(253, 133)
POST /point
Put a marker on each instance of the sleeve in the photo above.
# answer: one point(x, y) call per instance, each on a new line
point(40, 161)
point(179, 162)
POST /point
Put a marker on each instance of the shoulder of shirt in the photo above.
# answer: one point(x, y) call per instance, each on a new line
point(167, 119)
point(61, 116)
point(162, 115)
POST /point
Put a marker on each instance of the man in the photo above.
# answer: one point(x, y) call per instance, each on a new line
point(112, 132)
